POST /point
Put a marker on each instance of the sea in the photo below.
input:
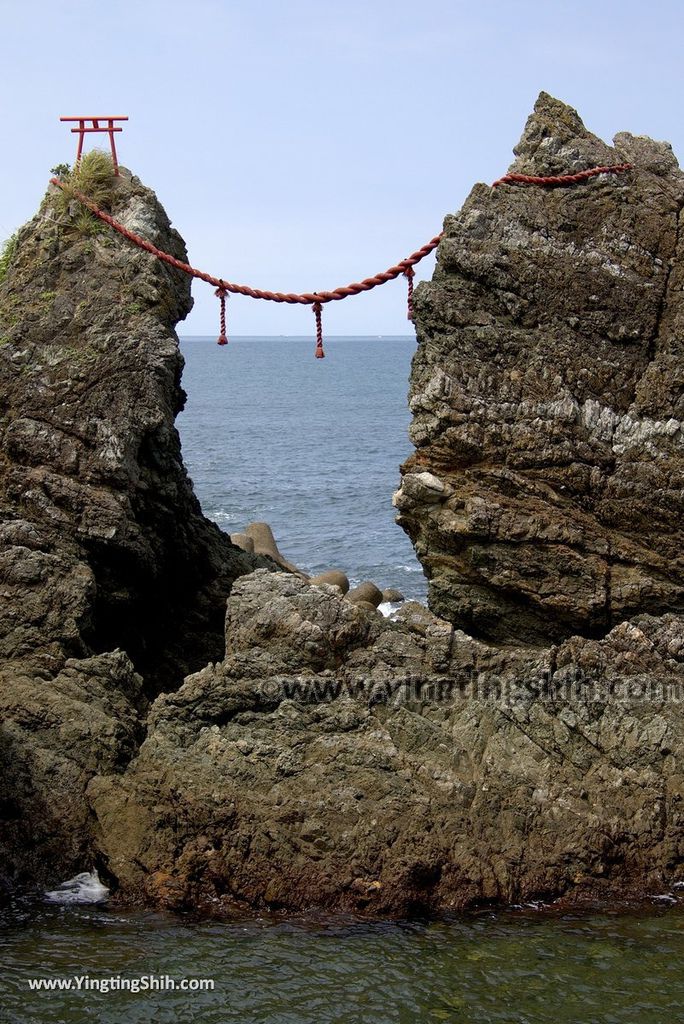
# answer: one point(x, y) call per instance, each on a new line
point(313, 447)
point(310, 446)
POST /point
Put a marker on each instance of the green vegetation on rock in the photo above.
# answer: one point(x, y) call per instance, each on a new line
point(7, 255)
point(94, 177)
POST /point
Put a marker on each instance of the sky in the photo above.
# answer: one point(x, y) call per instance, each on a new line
point(301, 145)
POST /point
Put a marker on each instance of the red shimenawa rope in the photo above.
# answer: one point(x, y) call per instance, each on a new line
point(317, 299)
point(303, 298)
point(318, 310)
point(561, 179)
point(223, 337)
point(409, 274)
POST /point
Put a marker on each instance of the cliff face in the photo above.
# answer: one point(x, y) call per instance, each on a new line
point(547, 395)
point(332, 757)
point(103, 543)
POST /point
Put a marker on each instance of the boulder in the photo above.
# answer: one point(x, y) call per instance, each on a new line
point(367, 592)
point(334, 578)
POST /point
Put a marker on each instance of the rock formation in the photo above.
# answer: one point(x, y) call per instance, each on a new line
point(338, 759)
point(103, 545)
point(329, 756)
point(545, 495)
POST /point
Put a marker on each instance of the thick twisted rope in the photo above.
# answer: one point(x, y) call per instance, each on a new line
point(303, 298)
point(561, 179)
point(314, 299)
point(317, 299)
point(318, 310)
point(409, 274)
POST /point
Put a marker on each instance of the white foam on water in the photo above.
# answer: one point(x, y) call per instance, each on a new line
point(83, 888)
point(388, 608)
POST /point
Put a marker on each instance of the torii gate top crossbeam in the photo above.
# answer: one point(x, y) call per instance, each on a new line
point(96, 126)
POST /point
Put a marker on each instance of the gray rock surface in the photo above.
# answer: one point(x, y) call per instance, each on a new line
point(103, 545)
point(545, 495)
point(340, 760)
point(320, 754)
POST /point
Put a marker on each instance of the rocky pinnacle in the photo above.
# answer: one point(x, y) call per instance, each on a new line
point(545, 495)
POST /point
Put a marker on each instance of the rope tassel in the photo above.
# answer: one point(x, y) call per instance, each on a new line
point(318, 310)
point(409, 274)
point(222, 295)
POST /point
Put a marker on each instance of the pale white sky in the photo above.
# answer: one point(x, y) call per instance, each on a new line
point(301, 145)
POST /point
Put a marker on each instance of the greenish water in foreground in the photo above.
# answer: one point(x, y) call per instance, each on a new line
point(507, 967)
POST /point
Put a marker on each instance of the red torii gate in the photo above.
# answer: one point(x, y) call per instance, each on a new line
point(83, 130)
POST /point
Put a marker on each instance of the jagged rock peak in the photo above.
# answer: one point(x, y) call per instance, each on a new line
point(547, 394)
point(556, 141)
point(93, 473)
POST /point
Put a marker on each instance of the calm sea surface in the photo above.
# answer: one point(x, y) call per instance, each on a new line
point(310, 446)
point(508, 968)
point(313, 448)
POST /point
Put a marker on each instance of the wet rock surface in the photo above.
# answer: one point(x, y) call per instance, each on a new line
point(545, 495)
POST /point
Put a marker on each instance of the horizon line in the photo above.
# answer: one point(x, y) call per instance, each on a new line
point(305, 337)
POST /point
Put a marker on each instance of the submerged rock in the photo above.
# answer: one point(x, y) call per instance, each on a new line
point(546, 492)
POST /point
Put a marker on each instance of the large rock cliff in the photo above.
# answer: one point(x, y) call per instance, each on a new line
point(113, 583)
point(547, 394)
point(327, 756)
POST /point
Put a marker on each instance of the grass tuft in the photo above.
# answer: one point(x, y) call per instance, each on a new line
point(94, 176)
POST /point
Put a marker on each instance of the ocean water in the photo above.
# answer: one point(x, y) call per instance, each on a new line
point(310, 446)
point(524, 967)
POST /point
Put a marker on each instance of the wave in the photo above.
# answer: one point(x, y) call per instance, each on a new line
point(83, 888)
